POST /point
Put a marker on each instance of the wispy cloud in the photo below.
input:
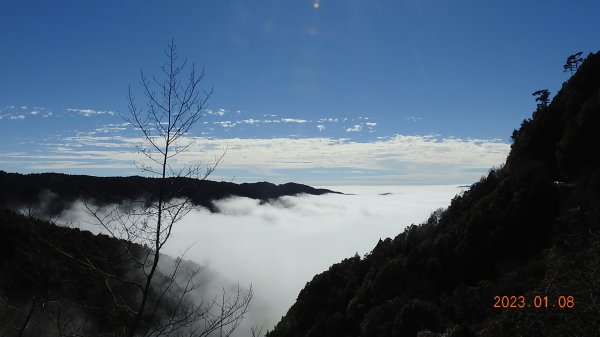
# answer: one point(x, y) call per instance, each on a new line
point(226, 124)
point(218, 112)
point(330, 120)
point(293, 120)
point(91, 112)
point(13, 112)
point(112, 128)
point(324, 159)
point(252, 121)
point(355, 128)
point(397, 159)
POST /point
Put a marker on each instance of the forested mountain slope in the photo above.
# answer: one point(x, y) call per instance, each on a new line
point(50, 193)
point(530, 228)
point(43, 290)
point(60, 281)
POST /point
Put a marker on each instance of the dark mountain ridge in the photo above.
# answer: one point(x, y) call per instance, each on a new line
point(50, 193)
point(530, 228)
point(46, 289)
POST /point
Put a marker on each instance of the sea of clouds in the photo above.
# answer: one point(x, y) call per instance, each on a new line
point(279, 246)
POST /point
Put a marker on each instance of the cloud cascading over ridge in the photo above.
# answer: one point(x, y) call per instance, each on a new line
point(280, 245)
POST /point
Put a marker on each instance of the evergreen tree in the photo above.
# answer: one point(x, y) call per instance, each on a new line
point(542, 97)
point(573, 62)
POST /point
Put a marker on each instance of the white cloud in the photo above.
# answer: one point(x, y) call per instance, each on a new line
point(412, 118)
point(297, 231)
point(109, 129)
point(219, 112)
point(290, 238)
point(371, 124)
point(321, 127)
point(226, 124)
point(91, 112)
point(35, 112)
point(330, 120)
point(355, 128)
point(398, 159)
point(17, 117)
point(252, 121)
point(293, 120)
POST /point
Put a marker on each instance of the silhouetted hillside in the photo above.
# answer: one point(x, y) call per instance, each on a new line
point(530, 228)
point(38, 283)
point(49, 193)
point(64, 281)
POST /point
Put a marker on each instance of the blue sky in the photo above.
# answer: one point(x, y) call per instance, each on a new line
point(346, 92)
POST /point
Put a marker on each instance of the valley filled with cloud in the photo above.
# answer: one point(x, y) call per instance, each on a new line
point(278, 246)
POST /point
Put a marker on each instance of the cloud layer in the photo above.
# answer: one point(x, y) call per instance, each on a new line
point(391, 160)
point(337, 151)
point(279, 246)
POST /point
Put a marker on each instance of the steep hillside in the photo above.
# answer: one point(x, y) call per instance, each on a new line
point(59, 281)
point(50, 193)
point(43, 290)
point(530, 228)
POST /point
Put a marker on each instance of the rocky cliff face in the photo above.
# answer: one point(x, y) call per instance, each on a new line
point(530, 228)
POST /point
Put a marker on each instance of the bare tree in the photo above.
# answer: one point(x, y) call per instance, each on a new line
point(172, 108)
point(149, 294)
point(163, 304)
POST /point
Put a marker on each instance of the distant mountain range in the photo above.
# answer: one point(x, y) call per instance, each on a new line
point(50, 193)
point(518, 254)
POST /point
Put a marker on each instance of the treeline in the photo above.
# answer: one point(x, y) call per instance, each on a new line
point(50, 193)
point(530, 228)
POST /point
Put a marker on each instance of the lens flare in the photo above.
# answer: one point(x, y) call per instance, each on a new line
point(316, 5)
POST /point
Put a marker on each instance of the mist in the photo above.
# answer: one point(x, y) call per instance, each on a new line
point(278, 246)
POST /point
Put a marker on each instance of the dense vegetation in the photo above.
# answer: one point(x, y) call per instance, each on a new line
point(50, 193)
point(529, 228)
point(44, 291)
